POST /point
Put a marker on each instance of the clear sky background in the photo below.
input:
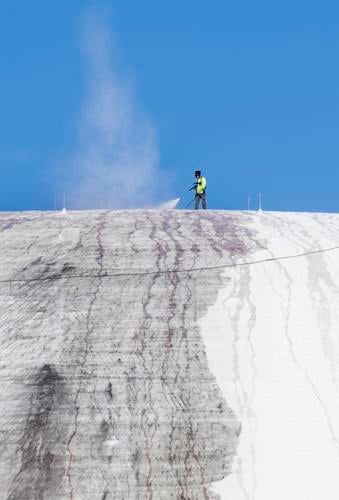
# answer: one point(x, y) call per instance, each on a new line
point(247, 91)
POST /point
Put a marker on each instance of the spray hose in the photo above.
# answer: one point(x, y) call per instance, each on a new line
point(188, 204)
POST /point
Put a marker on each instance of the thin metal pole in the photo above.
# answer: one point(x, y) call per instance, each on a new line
point(260, 208)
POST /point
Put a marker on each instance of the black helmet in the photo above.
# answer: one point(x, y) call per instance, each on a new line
point(197, 173)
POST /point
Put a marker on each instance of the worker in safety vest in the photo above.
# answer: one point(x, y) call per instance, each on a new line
point(200, 190)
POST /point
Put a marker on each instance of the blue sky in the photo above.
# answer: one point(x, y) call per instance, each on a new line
point(246, 91)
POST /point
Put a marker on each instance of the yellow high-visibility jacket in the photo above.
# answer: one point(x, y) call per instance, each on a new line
point(201, 185)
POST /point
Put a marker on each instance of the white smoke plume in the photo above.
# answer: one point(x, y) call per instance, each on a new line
point(116, 162)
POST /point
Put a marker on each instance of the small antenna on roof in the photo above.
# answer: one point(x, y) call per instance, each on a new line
point(248, 203)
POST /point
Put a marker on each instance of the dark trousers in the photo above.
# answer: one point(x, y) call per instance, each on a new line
point(198, 197)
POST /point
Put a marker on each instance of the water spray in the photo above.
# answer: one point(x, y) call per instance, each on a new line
point(169, 205)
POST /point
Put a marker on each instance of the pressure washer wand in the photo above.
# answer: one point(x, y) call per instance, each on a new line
point(188, 204)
